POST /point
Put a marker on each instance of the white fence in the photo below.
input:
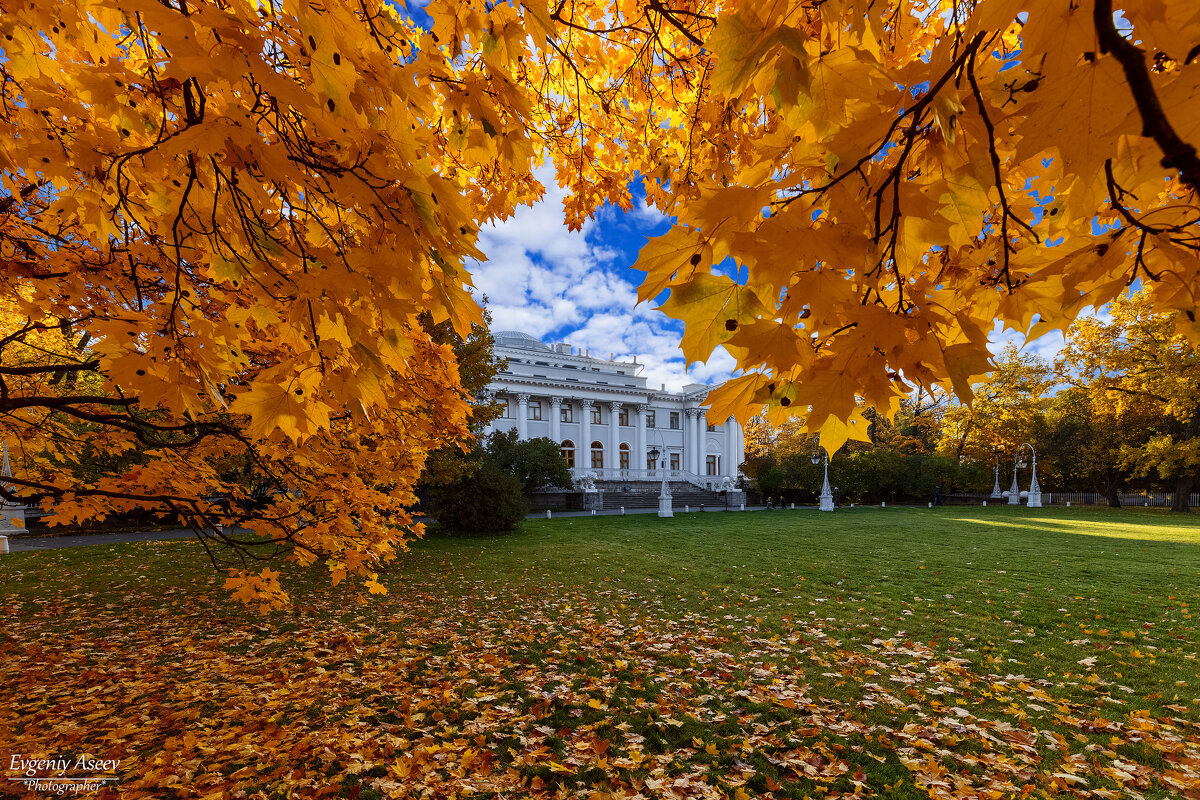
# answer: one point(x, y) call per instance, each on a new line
point(1153, 499)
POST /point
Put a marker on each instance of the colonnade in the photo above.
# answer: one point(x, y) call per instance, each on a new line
point(694, 426)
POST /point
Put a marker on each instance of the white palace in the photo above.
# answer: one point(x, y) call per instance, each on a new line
point(607, 420)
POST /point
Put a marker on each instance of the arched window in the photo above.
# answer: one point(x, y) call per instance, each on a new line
point(568, 452)
point(624, 454)
point(597, 455)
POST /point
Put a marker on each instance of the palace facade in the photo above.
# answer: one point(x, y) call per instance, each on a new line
point(607, 420)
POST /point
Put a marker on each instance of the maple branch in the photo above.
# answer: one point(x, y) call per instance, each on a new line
point(89, 366)
point(669, 15)
point(1005, 211)
point(1116, 195)
point(1177, 154)
point(912, 111)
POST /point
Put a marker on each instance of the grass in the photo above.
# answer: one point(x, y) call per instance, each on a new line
point(892, 653)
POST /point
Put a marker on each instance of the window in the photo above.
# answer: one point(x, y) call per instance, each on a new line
point(649, 419)
point(568, 452)
point(535, 409)
point(623, 418)
point(595, 415)
point(674, 460)
point(650, 465)
point(674, 420)
point(710, 466)
point(597, 455)
point(624, 453)
point(505, 411)
point(566, 413)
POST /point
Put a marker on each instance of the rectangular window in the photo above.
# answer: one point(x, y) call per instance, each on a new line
point(566, 413)
point(505, 411)
point(597, 457)
point(710, 465)
point(595, 415)
point(625, 459)
point(623, 419)
point(535, 409)
point(650, 465)
point(674, 420)
point(649, 419)
point(674, 460)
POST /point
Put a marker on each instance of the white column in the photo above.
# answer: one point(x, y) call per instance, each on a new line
point(638, 459)
point(614, 435)
point(701, 442)
point(555, 430)
point(522, 416)
point(729, 468)
point(691, 442)
point(585, 447)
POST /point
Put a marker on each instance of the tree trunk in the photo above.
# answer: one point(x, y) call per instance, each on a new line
point(1183, 483)
point(1183, 488)
point(1112, 482)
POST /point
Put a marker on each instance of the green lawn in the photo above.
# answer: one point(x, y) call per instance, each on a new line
point(952, 652)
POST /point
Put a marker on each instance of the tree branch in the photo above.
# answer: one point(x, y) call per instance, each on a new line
point(1177, 154)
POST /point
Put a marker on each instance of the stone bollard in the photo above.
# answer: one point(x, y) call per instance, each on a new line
point(985, 503)
point(931, 505)
point(593, 512)
point(686, 509)
point(3, 545)
point(883, 505)
point(742, 507)
point(792, 506)
point(1068, 504)
point(622, 511)
point(547, 513)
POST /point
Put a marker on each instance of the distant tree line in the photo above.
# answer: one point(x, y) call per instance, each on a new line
point(1116, 412)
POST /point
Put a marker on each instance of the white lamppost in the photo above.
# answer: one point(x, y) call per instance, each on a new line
point(664, 496)
point(1014, 491)
point(996, 493)
point(1035, 491)
point(826, 494)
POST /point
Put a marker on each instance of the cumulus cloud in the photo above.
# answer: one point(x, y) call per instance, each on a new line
point(576, 287)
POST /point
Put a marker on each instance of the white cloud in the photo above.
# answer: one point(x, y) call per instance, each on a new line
point(1048, 346)
point(570, 286)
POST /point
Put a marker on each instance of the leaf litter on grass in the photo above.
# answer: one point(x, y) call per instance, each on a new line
point(548, 692)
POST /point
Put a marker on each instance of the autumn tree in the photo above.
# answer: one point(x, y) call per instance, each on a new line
point(1008, 409)
point(1132, 361)
point(1086, 438)
point(245, 209)
point(477, 364)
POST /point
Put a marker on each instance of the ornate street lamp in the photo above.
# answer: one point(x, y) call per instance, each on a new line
point(664, 496)
point(996, 493)
point(826, 494)
point(1035, 491)
point(1014, 491)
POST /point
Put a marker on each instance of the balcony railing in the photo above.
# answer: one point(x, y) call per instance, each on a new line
point(710, 482)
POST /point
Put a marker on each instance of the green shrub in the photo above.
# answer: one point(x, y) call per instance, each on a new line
point(487, 501)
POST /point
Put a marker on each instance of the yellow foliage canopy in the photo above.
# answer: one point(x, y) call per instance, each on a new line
point(245, 206)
